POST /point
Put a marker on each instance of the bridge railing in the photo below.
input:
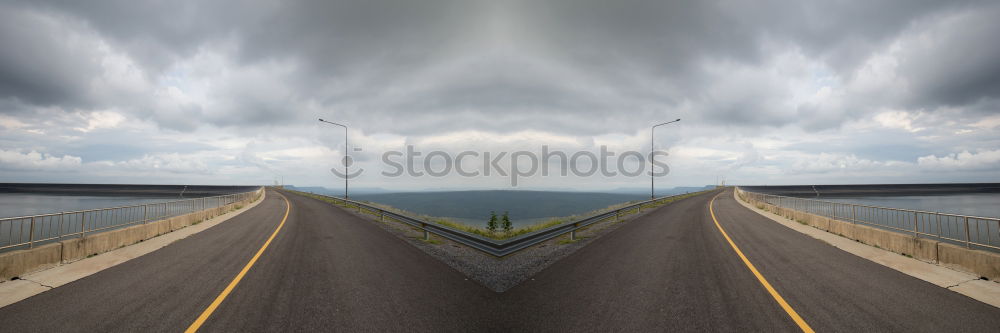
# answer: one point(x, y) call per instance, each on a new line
point(495, 247)
point(972, 231)
point(28, 231)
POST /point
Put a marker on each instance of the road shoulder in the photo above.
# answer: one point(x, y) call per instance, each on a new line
point(961, 282)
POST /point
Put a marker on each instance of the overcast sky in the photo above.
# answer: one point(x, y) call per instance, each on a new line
point(770, 92)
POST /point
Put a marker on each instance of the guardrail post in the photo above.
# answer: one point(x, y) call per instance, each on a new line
point(854, 214)
point(916, 225)
point(967, 240)
point(427, 235)
point(31, 234)
point(618, 215)
point(83, 224)
point(939, 232)
point(381, 216)
point(144, 218)
point(61, 216)
point(572, 234)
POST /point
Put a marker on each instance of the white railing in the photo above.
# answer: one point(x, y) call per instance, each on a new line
point(28, 231)
point(972, 231)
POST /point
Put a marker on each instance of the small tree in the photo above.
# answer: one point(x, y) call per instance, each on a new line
point(492, 224)
point(505, 222)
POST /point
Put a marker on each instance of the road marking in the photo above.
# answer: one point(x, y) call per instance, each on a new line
point(774, 293)
point(232, 285)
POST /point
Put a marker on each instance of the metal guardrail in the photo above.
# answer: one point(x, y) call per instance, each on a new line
point(495, 247)
point(28, 231)
point(972, 231)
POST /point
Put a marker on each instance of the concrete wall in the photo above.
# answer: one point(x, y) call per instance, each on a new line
point(979, 262)
point(19, 262)
point(15, 263)
point(983, 263)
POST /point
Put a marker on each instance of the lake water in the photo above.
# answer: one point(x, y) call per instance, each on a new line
point(23, 204)
point(979, 204)
point(524, 207)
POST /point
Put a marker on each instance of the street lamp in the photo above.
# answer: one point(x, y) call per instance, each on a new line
point(652, 195)
point(346, 171)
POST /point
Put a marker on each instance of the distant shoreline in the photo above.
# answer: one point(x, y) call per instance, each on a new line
point(137, 190)
point(875, 189)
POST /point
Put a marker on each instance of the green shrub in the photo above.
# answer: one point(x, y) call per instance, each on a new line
point(491, 225)
point(505, 222)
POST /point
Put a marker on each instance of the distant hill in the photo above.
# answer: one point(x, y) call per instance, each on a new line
point(336, 191)
point(661, 191)
point(134, 190)
point(812, 191)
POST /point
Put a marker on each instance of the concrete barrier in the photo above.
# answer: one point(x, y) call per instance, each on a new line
point(19, 262)
point(80, 248)
point(920, 248)
point(161, 226)
point(816, 221)
point(16, 263)
point(845, 229)
point(982, 263)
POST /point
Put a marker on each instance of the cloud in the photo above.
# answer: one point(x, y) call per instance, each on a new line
point(937, 74)
point(42, 61)
point(982, 160)
point(178, 86)
point(825, 163)
point(897, 120)
point(159, 163)
point(13, 160)
point(102, 120)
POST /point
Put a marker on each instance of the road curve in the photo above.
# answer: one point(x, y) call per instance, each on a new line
point(673, 270)
point(325, 270)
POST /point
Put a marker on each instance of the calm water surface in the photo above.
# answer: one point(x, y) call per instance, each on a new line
point(980, 204)
point(21, 204)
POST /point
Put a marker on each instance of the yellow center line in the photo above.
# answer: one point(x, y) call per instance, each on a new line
point(774, 293)
point(232, 285)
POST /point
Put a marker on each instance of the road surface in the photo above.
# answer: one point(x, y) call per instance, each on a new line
point(673, 270)
point(324, 271)
point(328, 270)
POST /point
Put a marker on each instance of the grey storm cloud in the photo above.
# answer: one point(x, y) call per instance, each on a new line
point(37, 65)
point(562, 66)
point(963, 69)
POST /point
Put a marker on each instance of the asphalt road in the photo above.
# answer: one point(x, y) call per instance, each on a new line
point(673, 270)
point(324, 271)
point(327, 270)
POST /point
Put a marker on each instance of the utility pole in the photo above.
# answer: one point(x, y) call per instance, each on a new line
point(652, 192)
point(346, 151)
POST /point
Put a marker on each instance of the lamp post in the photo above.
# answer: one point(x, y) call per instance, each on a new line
point(652, 194)
point(346, 170)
